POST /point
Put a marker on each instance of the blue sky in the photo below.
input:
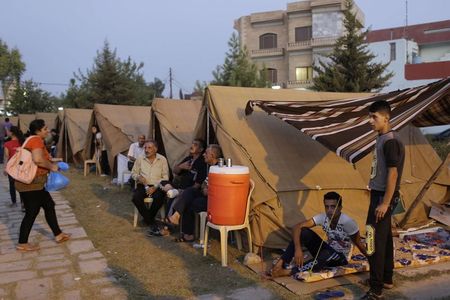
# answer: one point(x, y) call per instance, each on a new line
point(57, 37)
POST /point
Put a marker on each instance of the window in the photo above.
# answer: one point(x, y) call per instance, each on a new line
point(272, 75)
point(268, 41)
point(303, 33)
point(303, 73)
point(392, 45)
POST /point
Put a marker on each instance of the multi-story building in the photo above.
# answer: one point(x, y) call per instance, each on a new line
point(417, 54)
point(287, 42)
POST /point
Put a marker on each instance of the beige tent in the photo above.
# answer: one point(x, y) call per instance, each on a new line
point(174, 123)
point(50, 119)
point(291, 171)
point(25, 120)
point(120, 126)
point(72, 134)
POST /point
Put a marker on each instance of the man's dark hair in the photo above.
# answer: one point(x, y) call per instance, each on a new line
point(200, 142)
point(333, 196)
point(380, 106)
point(6, 119)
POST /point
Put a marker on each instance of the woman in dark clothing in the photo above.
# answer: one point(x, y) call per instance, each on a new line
point(34, 194)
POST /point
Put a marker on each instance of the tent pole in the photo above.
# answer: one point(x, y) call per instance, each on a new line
point(425, 189)
point(65, 140)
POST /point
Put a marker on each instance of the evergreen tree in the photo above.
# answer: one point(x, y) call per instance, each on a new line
point(349, 67)
point(11, 68)
point(238, 69)
point(28, 98)
point(112, 81)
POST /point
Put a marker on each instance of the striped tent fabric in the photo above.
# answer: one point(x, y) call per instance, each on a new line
point(343, 125)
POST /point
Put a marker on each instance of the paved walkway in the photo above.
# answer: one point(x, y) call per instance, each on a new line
point(72, 270)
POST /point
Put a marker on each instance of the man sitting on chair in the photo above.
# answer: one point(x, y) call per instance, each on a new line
point(148, 171)
point(194, 199)
point(341, 231)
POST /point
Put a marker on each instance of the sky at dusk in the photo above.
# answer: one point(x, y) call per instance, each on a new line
point(57, 37)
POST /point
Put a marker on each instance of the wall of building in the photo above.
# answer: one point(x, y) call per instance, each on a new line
point(435, 52)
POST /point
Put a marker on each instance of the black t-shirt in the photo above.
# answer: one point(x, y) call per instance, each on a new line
point(197, 173)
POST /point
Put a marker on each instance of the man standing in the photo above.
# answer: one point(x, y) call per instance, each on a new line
point(385, 177)
point(136, 150)
point(148, 171)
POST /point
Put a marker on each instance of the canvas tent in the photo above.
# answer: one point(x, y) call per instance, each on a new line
point(72, 134)
point(25, 120)
point(291, 171)
point(120, 126)
point(343, 127)
point(174, 123)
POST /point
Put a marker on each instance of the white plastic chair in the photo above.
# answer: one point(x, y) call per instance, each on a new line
point(224, 229)
point(88, 162)
point(147, 201)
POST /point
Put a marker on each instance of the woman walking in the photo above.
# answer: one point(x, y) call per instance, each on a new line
point(16, 139)
point(34, 195)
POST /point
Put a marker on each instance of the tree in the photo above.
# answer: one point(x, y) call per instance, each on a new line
point(28, 98)
point(238, 69)
point(111, 81)
point(11, 68)
point(350, 67)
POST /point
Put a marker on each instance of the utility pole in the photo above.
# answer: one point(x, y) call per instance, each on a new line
point(170, 83)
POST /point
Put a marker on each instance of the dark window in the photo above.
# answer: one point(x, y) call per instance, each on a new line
point(393, 54)
point(303, 33)
point(268, 41)
point(272, 75)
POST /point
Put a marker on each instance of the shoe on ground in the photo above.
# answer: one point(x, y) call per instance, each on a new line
point(154, 231)
point(103, 175)
point(372, 296)
point(387, 286)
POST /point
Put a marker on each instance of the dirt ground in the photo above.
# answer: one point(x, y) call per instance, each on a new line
point(157, 267)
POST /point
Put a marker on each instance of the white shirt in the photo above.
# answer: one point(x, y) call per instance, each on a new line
point(339, 238)
point(135, 151)
point(99, 139)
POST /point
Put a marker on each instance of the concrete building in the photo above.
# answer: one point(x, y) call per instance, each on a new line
point(287, 42)
point(418, 54)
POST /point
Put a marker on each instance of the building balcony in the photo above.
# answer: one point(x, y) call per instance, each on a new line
point(267, 52)
point(429, 70)
point(296, 84)
point(308, 44)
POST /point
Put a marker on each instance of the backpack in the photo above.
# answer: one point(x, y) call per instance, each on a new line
point(21, 166)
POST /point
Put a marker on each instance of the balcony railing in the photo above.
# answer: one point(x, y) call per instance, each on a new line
point(267, 52)
point(299, 84)
point(317, 42)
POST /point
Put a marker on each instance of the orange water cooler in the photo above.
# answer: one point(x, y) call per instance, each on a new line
point(227, 194)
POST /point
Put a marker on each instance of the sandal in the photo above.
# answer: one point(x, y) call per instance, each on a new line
point(62, 238)
point(183, 240)
point(27, 247)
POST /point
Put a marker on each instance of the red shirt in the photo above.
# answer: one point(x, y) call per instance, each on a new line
point(37, 142)
point(12, 145)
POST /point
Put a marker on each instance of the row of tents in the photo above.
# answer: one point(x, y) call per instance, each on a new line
point(292, 172)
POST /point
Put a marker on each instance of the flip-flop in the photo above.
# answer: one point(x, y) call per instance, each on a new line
point(183, 240)
point(27, 248)
point(65, 237)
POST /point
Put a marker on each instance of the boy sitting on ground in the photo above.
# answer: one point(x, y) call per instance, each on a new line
point(341, 231)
